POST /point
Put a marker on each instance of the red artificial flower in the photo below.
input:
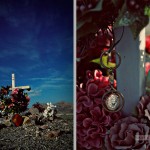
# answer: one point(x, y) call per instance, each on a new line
point(2, 106)
point(148, 44)
point(17, 120)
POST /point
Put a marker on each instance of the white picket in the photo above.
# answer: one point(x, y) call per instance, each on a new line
point(131, 73)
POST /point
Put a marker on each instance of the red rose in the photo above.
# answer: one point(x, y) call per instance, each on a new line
point(148, 44)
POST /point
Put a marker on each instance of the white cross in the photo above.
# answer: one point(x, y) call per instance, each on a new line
point(13, 87)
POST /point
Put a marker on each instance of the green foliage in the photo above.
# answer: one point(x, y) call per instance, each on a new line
point(97, 61)
point(148, 80)
point(92, 20)
point(115, 2)
point(147, 11)
point(138, 25)
point(135, 20)
point(124, 18)
point(148, 83)
point(87, 22)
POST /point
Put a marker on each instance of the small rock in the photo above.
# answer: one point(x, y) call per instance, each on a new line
point(1, 120)
point(26, 120)
point(34, 111)
point(33, 117)
point(66, 124)
point(52, 134)
point(43, 127)
point(25, 113)
point(50, 118)
point(7, 123)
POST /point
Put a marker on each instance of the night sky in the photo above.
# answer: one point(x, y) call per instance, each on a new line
point(36, 43)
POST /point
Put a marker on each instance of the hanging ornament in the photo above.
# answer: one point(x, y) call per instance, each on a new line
point(112, 100)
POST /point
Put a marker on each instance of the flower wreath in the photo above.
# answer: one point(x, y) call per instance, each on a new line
point(15, 102)
point(98, 129)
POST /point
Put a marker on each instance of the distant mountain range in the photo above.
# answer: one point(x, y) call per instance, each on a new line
point(64, 107)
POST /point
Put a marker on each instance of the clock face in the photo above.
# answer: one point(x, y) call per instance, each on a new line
point(112, 102)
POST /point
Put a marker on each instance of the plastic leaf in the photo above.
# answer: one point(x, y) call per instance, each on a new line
point(86, 29)
point(148, 80)
point(105, 62)
point(147, 11)
point(125, 18)
point(138, 25)
point(97, 61)
point(98, 6)
point(136, 21)
point(81, 22)
point(87, 23)
point(115, 2)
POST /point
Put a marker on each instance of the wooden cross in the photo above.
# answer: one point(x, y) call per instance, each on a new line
point(131, 72)
point(13, 87)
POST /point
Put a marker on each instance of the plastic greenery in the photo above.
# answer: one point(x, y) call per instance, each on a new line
point(95, 14)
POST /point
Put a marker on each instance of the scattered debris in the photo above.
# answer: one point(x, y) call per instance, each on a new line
point(32, 129)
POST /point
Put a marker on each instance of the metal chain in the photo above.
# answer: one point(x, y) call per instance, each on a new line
point(112, 100)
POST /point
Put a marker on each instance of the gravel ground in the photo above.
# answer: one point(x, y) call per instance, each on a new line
point(53, 135)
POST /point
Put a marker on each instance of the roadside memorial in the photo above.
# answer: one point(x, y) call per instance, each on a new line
point(32, 125)
point(111, 90)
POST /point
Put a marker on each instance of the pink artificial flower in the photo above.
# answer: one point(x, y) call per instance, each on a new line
point(143, 107)
point(93, 120)
point(28, 98)
point(128, 133)
point(15, 91)
point(10, 105)
point(147, 67)
point(13, 100)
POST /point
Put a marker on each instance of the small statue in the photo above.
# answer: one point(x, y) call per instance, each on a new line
point(50, 111)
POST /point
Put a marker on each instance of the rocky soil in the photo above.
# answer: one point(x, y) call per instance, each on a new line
point(56, 134)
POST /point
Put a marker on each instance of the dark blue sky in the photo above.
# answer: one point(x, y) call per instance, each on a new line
point(36, 43)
